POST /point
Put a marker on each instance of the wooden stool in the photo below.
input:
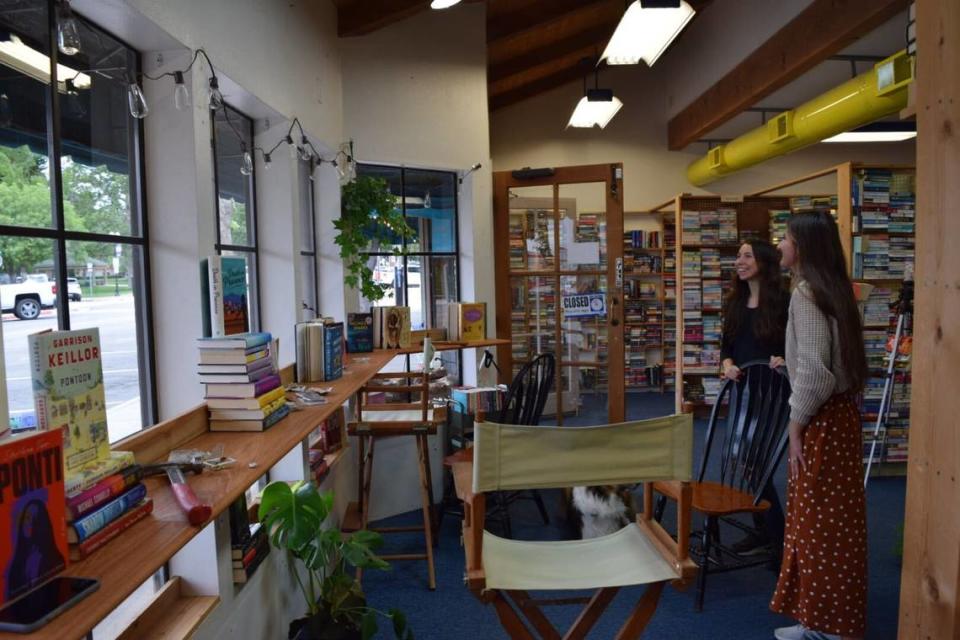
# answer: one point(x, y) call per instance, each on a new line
point(416, 419)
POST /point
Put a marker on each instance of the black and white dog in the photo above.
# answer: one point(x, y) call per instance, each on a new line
point(602, 510)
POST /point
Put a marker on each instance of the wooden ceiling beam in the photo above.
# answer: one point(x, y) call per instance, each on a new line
point(824, 28)
point(593, 40)
point(537, 86)
point(509, 18)
point(360, 17)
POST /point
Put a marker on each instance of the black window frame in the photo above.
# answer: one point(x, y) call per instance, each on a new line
point(252, 233)
point(60, 235)
point(314, 240)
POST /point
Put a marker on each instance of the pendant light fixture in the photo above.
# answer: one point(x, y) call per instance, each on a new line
point(597, 106)
point(443, 4)
point(646, 30)
point(878, 132)
point(6, 112)
point(68, 31)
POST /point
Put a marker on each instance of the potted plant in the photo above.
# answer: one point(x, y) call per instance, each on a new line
point(294, 518)
point(369, 217)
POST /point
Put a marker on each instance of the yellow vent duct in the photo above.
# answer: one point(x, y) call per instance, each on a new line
point(880, 92)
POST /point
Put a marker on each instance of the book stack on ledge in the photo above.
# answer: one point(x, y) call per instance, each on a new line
point(249, 543)
point(100, 513)
point(243, 391)
point(319, 350)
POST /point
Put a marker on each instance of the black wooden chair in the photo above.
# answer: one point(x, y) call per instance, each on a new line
point(754, 440)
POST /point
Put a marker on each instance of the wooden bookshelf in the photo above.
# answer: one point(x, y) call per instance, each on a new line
point(644, 302)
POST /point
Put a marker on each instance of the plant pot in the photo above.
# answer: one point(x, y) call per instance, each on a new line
point(321, 627)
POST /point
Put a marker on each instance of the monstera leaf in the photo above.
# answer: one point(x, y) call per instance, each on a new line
point(294, 517)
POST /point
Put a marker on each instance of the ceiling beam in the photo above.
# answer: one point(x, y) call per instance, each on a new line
point(360, 17)
point(824, 28)
point(593, 39)
point(508, 18)
point(558, 78)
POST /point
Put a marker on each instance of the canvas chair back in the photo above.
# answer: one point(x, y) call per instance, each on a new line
point(509, 457)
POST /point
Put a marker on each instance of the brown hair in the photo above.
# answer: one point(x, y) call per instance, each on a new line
point(770, 322)
point(824, 268)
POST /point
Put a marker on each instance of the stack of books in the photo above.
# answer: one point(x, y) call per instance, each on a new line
point(728, 225)
point(476, 399)
point(778, 224)
point(99, 513)
point(249, 542)
point(690, 221)
point(243, 390)
point(320, 345)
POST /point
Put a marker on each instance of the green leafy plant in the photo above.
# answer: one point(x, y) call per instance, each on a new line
point(294, 517)
point(369, 218)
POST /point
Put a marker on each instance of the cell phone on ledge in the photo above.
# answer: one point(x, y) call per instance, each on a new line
point(35, 609)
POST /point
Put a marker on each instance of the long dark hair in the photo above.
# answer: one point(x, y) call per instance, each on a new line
point(770, 321)
point(824, 268)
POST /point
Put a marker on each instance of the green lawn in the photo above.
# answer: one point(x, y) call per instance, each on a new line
point(102, 291)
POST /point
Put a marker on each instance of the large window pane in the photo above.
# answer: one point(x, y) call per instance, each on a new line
point(97, 137)
point(24, 164)
point(103, 295)
point(25, 289)
point(232, 134)
point(430, 198)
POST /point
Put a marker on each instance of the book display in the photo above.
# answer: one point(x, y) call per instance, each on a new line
point(644, 301)
point(249, 542)
point(319, 347)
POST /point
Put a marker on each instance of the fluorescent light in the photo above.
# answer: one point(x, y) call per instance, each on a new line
point(596, 108)
point(28, 61)
point(644, 33)
point(443, 4)
point(872, 136)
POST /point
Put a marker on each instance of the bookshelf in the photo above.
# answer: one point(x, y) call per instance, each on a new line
point(875, 209)
point(644, 301)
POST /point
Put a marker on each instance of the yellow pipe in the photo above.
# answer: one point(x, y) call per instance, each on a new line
point(880, 92)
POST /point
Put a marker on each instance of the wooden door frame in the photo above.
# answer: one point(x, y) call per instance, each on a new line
point(612, 177)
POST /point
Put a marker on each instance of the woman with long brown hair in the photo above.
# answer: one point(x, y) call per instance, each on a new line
point(823, 576)
point(754, 328)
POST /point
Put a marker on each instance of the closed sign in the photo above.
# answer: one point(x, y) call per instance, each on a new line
point(584, 305)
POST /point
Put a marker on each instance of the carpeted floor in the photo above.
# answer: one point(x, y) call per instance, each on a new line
point(736, 603)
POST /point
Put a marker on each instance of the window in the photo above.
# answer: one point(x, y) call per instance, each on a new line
point(309, 284)
point(73, 227)
point(427, 277)
point(236, 222)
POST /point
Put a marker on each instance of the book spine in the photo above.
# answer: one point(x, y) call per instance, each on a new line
point(89, 479)
point(266, 384)
point(276, 416)
point(111, 486)
point(215, 275)
point(100, 518)
point(112, 530)
point(39, 390)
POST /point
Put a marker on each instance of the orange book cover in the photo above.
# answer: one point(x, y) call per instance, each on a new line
point(473, 316)
point(33, 526)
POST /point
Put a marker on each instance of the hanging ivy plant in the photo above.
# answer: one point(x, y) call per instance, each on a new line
point(370, 220)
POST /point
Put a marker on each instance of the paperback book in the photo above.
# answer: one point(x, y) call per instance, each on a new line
point(359, 332)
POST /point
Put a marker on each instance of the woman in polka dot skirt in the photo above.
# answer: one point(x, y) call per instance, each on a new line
point(823, 576)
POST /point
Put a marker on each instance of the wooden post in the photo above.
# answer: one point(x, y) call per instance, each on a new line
point(930, 584)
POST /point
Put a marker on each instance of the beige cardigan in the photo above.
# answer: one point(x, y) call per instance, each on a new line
point(813, 356)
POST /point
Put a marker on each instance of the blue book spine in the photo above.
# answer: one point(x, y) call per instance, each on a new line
point(90, 524)
point(333, 351)
point(275, 417)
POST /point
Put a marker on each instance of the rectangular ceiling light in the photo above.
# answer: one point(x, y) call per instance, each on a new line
point(878, 132)
point(596, 108)
point(645, 32)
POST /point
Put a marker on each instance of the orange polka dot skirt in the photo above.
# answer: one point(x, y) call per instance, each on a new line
point(823, 577)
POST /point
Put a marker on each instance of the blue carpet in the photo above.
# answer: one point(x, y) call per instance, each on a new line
point(736, 603)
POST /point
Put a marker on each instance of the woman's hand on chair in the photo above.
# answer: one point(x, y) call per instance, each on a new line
point(731, 371)
point(776, 362)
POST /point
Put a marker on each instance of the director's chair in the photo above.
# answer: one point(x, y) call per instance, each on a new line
point(503, 572)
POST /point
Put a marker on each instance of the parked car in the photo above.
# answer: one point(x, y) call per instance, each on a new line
point(73, 290)
point(26, 299)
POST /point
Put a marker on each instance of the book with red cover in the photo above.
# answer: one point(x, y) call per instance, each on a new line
point(33, 526)
point(81, 504)
point(112, 530)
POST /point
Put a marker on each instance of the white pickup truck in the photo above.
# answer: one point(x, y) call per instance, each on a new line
point(26, 299)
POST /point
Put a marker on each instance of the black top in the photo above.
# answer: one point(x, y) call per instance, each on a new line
point(745, 346)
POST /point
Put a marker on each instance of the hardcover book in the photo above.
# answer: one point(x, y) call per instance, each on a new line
point(359, 332)
point(32, 524)
point(333, 351)
point(223, 286)
point(139, 512)
point(68, 394)
point(395, 330)
point(88, 525)
point(110, 487)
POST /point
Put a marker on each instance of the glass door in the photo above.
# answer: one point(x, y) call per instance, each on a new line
point(559, 288)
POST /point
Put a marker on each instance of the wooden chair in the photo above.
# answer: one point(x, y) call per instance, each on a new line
point(503, 572)
point(415, 419)
point(755, 438)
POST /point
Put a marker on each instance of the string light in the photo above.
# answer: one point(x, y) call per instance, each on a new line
point(214, 97)
point(68, 32)
point(181, 97)
point(135, 100)
point(246, 165)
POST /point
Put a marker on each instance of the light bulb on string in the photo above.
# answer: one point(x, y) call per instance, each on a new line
point(291, 147)
point(136, 101)
point(246, 164)
point(68, 32)
point(305, 154)
point(181, 97)
point(6, 112)
point(215, 98)
point(340, 166)
point(267, 161)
